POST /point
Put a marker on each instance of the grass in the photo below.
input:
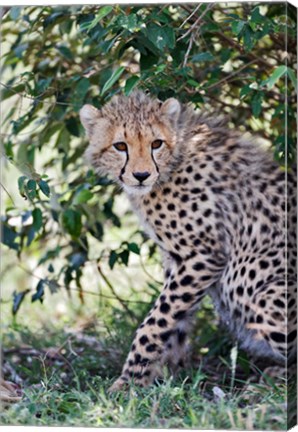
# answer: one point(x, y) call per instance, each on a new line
point(65, 373)
point(64, 355)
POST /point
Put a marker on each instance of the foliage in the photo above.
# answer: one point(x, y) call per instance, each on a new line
point(225, 58)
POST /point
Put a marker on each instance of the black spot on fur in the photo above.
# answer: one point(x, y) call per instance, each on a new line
point(279, 303)
point(173, 286)
point(179, 315)
point(240, 290)
point(162, 322)
point(143, 340)
point(186, 297)
point(187, 280)
point(252, 274)
point(264, 264)
point(278, 337)
point(198, 176)
point(151, 347)
point(292, 336)
point(164, 308)
point(173, 224)
point(198, 266)
point(165, 335)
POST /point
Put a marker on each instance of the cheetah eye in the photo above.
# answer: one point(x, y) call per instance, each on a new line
point(120, 146)
point(157, 144)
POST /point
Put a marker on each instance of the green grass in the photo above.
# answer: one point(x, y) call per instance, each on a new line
point(65, 374)
point(64, 355)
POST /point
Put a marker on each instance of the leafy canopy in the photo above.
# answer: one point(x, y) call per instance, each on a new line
point(225, 58)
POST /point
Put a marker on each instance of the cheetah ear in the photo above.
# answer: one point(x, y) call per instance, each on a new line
point(89, 115)
point(171, 108)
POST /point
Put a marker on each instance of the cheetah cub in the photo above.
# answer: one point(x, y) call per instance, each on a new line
point(214, 203)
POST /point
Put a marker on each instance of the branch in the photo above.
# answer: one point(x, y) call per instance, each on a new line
point(194, 25)
point(34, 99)
point(10, 197)
point(30, 273)
point(191, 15)
point(131, 314)
point(228, 77)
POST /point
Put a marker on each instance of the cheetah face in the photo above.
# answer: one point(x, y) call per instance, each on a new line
point(132, 139)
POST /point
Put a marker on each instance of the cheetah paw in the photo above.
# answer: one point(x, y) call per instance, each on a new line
point(118, 385)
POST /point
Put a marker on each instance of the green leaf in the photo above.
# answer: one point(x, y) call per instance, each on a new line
point(113, 259)
point(130, 84)
point(293, 77)
point(248, 38)
point(133, 247)
point(169, 35)
point(245, 91)
point(8, 147)
point(9, 236)
point(256, 17)
point(202, 57)
point(37, 219)
point(161, 37)
point(21, 184)
point(30, 235)
point(71, 221)
point(82, 88)
point(128, 22)
point(113, 79)
point(256, 103)
point(275, 76)
point(237, 27)
point(225, 54)
point(72, 126)
point(18, 298)
point(124, 256)
point(30, 188)
point(39, 292)
point(147, 61)
point(83, 196)
point(42, 85)
point(193, 83)
point(51, 268)
point(104, 11)
point(44, 187)
point(65, 51)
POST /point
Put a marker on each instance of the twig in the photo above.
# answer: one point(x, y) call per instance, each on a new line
point(34, 99)
point(191, 41)
point(210, 6)
point(10, 197)
point(29, 272)
point(190, 16)
point(227, 78)
point(241, 49)
point(132, 315)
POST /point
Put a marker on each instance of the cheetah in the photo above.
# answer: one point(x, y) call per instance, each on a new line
point(214, 202)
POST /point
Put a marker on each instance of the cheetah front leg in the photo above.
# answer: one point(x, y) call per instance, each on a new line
point(163, 332)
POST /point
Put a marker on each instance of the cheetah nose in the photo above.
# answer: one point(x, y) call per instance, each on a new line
point(141, 176)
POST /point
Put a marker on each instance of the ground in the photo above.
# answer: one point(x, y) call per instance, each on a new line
point(64, 371)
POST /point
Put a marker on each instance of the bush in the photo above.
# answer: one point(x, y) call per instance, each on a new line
point(224, 58)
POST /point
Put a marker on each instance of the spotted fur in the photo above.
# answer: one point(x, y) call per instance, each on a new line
point(215, 204)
